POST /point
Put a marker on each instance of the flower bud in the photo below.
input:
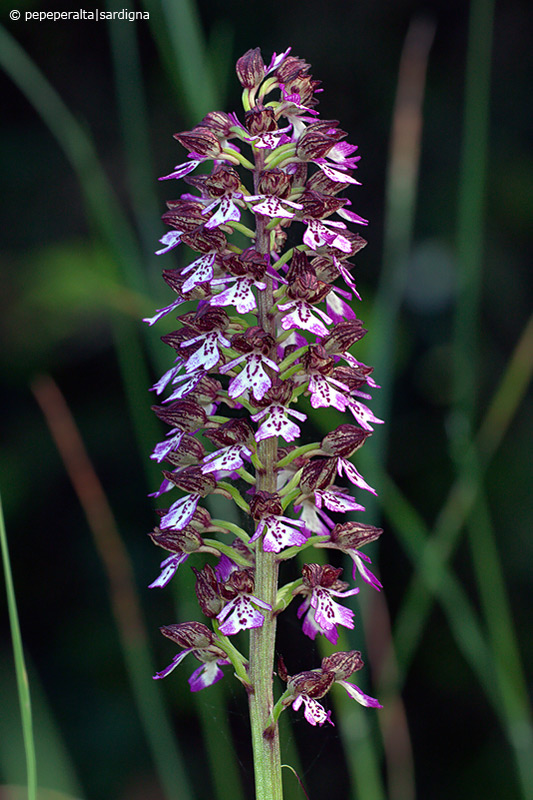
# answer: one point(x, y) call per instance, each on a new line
point(195, 636)
point(263, 504)
point(306, 286)
point(208, 591)
point(279, 394)
point(205, 241)
point(312, 145)
point(260, 120)
point(219, 122)
point(240, 581)
point(313, 683)
point(292, 68)
point(275, 182)
point(316, 359)
point(356, 242)
point(185, 541)
point(200, 141)
point(298, 171)
point(223, 179)
point(317, 575)
point(318, 474)
point(353, 535)
point(206, 319)
point(192, 480)
point(190, 451)
point(186, 415)
point(175, 339)
point(189, 634)
point(319, 182)
point(249, 263)
point(183, 215)
point(206, 390)
point(343, 335)
point(201, 519)
point(342, 665)
point(253, 339)
point(236, 431)
point(350, 376)
point(250, 68)
point(325, 268)
point(344, 440)
point(319, 206)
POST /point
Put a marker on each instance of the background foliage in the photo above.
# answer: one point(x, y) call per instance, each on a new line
point(88, 115)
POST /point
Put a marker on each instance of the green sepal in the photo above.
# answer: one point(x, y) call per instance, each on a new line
point(246, 476)
point(230, 527)
point(285, 595)
point(278, 156)
point(267, 86)
point(235, 157)
point(304, 450)
point(292, 357)
point(237, 659)
point(291, 485)
point(290, 552)
point(233, 492)
point(237, 226)
point(228, 551)
point(290, 498)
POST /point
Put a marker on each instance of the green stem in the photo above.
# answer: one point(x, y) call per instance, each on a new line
point(266, 749)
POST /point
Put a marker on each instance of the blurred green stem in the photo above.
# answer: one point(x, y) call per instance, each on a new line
point(509, 692)
point(400, 209)
point(470, 213)
point(133, 115)
point(470, 245)
point(20, 666)
point(505, 651)
point(462, 496)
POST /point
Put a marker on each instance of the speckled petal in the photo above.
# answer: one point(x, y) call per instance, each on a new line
point(169, 568)
point(356, 693)
point(180, 513)
point(239, 614)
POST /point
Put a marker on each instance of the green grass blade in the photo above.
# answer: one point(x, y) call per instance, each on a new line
point(20, 666)
point(133, 115)
point(470, 213)
point(434, 579)
point(502, 637)
point(55, 766)
point(200, 91)
point(463, 493)
point(498, 657)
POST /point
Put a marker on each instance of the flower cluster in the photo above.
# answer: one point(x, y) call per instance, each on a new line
point(272, 324)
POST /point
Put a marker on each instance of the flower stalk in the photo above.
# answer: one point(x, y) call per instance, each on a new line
point(271, 328)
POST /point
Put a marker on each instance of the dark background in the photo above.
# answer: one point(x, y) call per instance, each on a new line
point(70, 306)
